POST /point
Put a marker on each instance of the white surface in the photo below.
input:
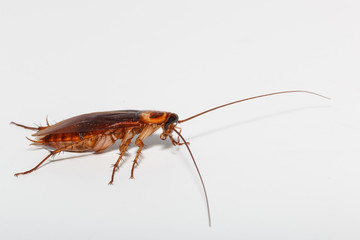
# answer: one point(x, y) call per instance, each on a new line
point(284, 167)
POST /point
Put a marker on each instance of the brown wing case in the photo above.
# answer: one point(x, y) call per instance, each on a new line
point(94, 122)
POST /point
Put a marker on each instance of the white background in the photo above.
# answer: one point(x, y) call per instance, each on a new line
point(282, 167)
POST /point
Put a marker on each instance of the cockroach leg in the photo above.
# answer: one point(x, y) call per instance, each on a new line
point(178, 138)
point(52, 153)
point(141, 145)
point(147, 131)
point(174, 142)
point(42, 161)
point(123, 148)
point(177, 142)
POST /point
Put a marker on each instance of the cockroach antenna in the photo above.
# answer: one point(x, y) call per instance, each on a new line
point(250, 98)
point(198, 171)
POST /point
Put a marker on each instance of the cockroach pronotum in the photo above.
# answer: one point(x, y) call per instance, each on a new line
point(98, 131)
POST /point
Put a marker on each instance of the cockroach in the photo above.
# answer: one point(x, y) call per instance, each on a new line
point(98, 131)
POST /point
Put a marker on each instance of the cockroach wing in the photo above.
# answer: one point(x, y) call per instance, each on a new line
point(97, 121)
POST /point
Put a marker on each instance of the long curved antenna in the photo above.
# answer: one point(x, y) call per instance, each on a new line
point(250, 98)
point(197, 169)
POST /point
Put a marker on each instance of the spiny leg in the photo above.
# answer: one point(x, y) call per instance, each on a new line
point(122, 152)
point(174, 142)
point(42, 161)
point(141, 145)
point(145, 132)
point(71, 146)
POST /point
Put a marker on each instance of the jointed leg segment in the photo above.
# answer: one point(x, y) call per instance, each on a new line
point(52, 153)
point(177, 142)
point(123, 148)
point(36, 167)
point(141, 145)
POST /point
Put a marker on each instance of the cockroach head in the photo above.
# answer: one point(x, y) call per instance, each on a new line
point(169, 125)
point(171, 122)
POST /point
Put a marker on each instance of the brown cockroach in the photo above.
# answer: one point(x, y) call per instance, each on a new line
point(98, 131)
